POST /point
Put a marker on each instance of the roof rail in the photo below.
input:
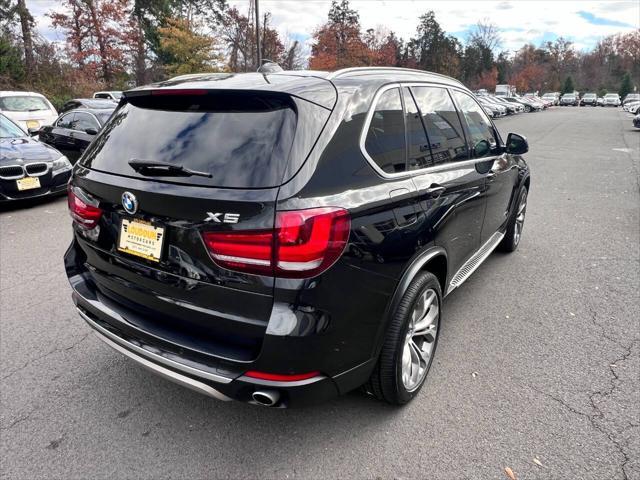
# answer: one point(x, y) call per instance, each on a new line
point(346, 71)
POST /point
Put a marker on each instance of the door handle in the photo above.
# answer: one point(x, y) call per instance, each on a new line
point(435, 190)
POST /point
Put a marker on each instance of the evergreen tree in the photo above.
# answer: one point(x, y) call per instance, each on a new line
point(568, 86)
point(626, 87)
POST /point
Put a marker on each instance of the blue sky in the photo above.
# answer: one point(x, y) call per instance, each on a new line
point(520, 21)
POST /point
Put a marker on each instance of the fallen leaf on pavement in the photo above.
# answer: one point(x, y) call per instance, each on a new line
point(510, 473)
point(537, 462)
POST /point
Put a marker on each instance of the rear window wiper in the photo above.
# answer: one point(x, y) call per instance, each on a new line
point(147, 166)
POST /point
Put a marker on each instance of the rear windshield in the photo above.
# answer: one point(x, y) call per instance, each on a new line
point(243, 141)
point(23, 103)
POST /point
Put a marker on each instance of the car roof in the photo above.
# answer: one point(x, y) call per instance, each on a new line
point(313, 85)
point(12, 93)
point(95, 111)
point(94, 102)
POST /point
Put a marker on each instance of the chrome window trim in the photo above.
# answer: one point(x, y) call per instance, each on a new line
point(422, 171)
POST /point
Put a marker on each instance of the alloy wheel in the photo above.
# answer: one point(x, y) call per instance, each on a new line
point(522, 210)
point(420, 339)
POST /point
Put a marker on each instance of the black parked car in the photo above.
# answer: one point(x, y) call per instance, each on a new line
point(92, 103)
point(29, 168)
point(636, 121)
point(73, 131)
point(325, 216)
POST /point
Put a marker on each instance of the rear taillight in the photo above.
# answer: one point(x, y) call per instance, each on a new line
point(304, 244)
point(82, 208)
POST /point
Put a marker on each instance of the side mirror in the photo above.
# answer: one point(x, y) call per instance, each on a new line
point(517, 144)
point(90, 131)
point(33, 131)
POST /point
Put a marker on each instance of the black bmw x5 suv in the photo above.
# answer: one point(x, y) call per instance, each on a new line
point(284, 238)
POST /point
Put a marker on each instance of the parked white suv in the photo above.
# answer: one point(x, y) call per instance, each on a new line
point(109, 95)
point(27, 109)
point(612, 99)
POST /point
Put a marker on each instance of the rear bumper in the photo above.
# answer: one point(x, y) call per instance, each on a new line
point(218, 378)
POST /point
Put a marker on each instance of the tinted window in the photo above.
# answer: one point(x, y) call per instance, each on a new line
point(419, 154)
point(23, 103)
point(483, 138)
point(65, 121)
point(82, 121)
point(101, 95)
point(242, 140)
point(385, 142)
point(443, 126)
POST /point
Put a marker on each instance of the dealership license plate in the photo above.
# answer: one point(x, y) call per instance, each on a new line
point(28, 183)
point(33, 124)
point(141, 239)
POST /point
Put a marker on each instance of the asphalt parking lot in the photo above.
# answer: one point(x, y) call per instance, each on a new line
point(537, 369)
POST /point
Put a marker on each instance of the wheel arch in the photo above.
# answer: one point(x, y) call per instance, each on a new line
point(433, 259)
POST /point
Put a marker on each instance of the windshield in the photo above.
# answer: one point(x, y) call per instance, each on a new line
point(568, 96)
point(590, 95)
point(611, 95)
point(116, 95)
point(23, 103)
point(243, 141)
point(8, 129)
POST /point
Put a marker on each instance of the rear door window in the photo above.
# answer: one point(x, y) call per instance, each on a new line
point(385, 142)
point(483, 136)
point(242, 140)
point(441, 121)
point(418, 151)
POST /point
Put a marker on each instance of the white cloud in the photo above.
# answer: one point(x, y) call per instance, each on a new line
point(521, 21)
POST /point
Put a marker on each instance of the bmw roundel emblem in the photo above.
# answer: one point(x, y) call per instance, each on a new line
point(129, 202)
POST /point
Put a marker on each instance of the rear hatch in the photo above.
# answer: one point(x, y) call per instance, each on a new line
point(169, 166)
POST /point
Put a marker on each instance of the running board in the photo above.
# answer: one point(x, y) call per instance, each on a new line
point(475, 261)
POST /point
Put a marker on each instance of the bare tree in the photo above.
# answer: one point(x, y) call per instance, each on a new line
point(485, 34)
point(293, 57)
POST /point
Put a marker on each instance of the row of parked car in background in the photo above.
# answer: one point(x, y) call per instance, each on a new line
point(507, 102)
point(39, 145)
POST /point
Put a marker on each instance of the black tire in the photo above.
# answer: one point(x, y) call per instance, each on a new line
point(511, 241)
point(386, 382)
point(527, 109)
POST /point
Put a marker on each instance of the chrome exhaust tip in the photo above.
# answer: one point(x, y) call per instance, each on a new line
point(266, 398)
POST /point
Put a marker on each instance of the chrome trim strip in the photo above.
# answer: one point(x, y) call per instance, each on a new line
point(409, 173)
point(474, 262)
point(166, 373)
point(154, 356)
